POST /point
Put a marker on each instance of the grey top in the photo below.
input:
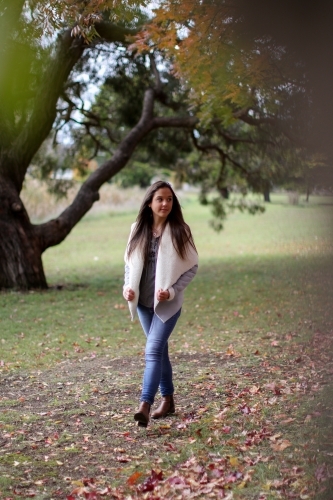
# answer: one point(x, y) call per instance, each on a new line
point(147, 282)
point(171, 306)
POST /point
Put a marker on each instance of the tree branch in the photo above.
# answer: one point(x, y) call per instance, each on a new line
point(110, 32)
point(53, 232)
point(156, 73)
point(9, 23)
point(230, 139)
point(223, 155)
point(68, 52)
point(175, 121)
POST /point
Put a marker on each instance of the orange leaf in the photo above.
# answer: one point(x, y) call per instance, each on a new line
point(134, 478)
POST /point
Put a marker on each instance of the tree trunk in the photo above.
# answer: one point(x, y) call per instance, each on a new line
point(20, 250)
point(308, 191)
point(267, 195)
point(224, 192)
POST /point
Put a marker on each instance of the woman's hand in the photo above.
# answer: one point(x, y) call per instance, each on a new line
point(128, 294)
point(163, 295)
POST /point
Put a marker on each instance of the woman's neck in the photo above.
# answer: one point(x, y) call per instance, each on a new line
point(158, 225)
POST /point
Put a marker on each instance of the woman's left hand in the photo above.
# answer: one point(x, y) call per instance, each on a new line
point(163, 295)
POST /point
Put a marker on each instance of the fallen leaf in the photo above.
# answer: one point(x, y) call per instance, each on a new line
point(254, 389)
point(234, 461)
point(134, 478)
point(287, 421)
point(275, 437)
point(281, 445)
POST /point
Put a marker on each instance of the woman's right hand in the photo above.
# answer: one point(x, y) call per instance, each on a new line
point(128, 294)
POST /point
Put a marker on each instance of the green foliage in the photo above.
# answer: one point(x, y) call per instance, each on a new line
point(135, 174)
point(53, 166)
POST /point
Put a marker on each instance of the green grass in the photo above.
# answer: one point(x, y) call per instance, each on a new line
point(256, 332)
point(260, 273)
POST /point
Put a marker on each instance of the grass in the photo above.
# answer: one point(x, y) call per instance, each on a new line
point(254, 340)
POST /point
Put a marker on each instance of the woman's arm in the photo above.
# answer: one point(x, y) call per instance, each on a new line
point(182, 282)
point(128, 293)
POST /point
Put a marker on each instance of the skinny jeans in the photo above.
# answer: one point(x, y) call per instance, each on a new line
point(158, 369)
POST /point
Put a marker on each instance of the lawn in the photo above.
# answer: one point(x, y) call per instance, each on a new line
point(251, 354)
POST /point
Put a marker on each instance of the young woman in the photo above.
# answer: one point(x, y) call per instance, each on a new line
point(160, 261)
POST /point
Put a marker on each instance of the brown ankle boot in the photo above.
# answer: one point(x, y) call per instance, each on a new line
point(167, 406)
point(142, 415)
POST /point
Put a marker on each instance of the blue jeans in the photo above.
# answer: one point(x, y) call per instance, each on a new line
point(158, 370)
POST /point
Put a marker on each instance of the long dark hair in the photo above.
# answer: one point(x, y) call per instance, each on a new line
point(180, 232)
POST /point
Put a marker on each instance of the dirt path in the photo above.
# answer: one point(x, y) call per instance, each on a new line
point(244, 428)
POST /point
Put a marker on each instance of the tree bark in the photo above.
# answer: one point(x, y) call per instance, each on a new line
point(20, 250)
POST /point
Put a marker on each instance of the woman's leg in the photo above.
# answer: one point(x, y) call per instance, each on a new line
point(166, 384)
point(167, 404)
point(157, 361)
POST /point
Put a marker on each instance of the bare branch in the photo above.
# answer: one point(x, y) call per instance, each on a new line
point(230, 139)
point(237, 164)
point(208, 147)
point(222, 154)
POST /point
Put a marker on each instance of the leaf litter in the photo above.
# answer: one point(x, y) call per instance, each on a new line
point(69, 433)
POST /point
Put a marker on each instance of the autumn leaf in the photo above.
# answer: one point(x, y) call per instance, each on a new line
point(150, 483)
point(133, 479)
point(234, 461)
point(281, 445)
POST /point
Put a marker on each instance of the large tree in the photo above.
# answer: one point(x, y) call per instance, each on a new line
point(35, 69)
point(244, 100)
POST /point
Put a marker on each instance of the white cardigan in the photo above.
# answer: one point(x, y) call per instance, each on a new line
point(169, 269)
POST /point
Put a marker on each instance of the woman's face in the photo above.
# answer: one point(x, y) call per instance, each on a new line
point(161, 204)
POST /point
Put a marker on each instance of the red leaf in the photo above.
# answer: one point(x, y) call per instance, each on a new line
point(150, 483)
point(245, 409)
point(176, 480)
point(88, 482)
